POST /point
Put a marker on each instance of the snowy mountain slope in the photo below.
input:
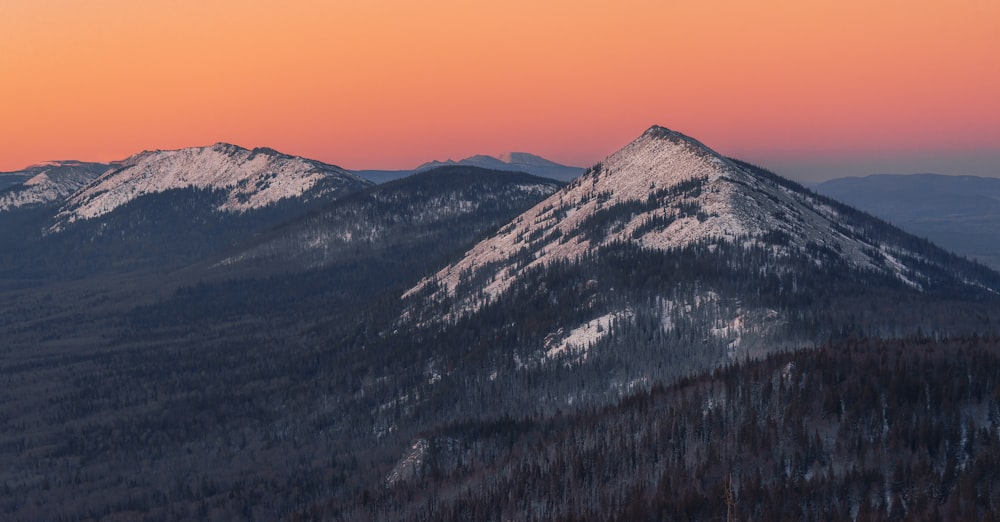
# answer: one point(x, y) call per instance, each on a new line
point(666, 191)
point(48, 183)
point(251, 179)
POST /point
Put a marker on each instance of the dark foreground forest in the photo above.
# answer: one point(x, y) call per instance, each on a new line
point(865, 430)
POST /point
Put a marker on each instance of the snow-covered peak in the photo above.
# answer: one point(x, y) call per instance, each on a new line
point(665, 191)
point(658, 160)
point(252, 178)
point(663, 133)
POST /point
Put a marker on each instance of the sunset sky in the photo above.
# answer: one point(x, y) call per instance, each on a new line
point(811, 89)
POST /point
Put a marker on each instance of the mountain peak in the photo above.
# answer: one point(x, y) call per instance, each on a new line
point(662, 133)
point(251, 178)
point(659, 131)
point(662, 192)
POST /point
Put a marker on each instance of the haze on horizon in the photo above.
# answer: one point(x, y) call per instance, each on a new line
point(811, 90)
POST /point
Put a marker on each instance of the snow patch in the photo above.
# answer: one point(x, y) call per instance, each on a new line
point(411, 463)
point(579, 340)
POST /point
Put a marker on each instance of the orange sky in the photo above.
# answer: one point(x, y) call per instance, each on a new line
point(394, 83)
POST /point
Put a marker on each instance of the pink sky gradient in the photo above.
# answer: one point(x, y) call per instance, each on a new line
point(811, 89)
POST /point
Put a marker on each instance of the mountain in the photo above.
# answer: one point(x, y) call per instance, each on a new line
point(960, 213)
point(665, 192)
point(510, 161)
point(249, 180)
point(165, 209)
point(47, 183)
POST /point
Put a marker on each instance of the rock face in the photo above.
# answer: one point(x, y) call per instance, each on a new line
point(666, 191)
point(251, 178)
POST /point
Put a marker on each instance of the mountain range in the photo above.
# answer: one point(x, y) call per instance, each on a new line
point(253, 178)
point(219, 333)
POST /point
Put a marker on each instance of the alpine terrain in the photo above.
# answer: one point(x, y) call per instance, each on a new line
point(668, 193)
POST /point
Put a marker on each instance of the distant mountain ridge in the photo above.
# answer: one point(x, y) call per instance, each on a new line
point(516, 161)
point(508, 161)
point(253, 177)
point(960, 213)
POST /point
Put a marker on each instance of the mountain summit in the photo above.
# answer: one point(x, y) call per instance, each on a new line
point(665, 192)
point(251, 179)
